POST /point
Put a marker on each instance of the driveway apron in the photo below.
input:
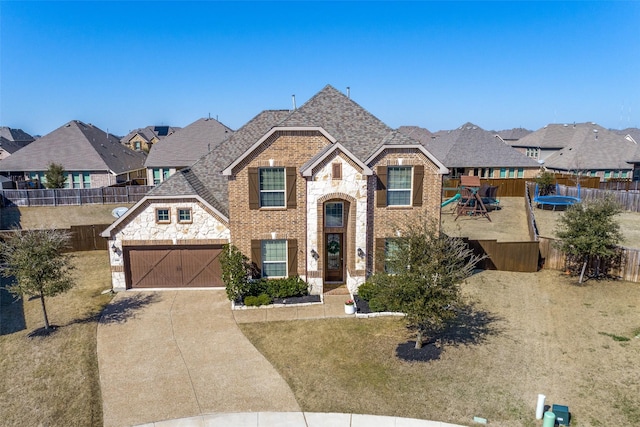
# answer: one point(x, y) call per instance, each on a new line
point(174, 354)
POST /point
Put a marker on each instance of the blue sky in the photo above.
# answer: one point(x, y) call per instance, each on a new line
point(124, 65)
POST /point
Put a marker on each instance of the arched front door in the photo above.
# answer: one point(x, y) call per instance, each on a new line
point(335, 227)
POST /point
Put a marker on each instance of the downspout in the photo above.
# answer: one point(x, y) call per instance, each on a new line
point(306, 227)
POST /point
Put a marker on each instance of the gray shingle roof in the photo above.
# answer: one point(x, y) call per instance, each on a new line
point(148, 133)
point(513, 134)
point(15, 135)
point(78, 147)
point(471, 146)
point(632, 132)
point(592, 147)
point(555, 136)
point(10, 146)
point(187, 145)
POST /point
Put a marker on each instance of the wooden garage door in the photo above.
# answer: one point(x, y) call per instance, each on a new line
point(173, 267)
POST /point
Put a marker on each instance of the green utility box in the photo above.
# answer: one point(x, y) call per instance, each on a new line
point(562, 414)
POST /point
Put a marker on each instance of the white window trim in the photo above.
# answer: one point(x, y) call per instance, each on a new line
point(389, 190)
point(286, 259)
point(283, 191)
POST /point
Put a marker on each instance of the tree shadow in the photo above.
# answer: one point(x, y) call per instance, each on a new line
point(11, 310)
point(125, 308)
point(471, 327)
point(10, 218)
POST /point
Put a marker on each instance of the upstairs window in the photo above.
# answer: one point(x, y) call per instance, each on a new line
point(163, 215)
point(399, 186)
point(160, 175)
point(184, 215)
point(333, 214)
point(272, 189)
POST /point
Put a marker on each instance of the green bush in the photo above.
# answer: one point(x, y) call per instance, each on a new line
point(292, 286)
point(256, 301)
point(377, 292)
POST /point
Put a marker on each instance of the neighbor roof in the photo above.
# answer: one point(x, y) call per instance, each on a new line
point(187, 145)
point(593, 147)
point(78, 147)
point(470, 146)
point(149, 132)
point(513, 134)
point(555, 136)
point(15, 135)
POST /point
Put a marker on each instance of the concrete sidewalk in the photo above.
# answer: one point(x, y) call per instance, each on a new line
point(296, 419)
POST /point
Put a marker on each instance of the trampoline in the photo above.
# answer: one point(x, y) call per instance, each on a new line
point(555, 200)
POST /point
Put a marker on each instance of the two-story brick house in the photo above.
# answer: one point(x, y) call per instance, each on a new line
point(312, 192)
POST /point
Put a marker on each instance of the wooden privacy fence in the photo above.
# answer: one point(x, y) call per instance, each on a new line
point(554, 258)
point(628, 200)
point(515, 187)
point(507, 256)
point(73, 196)
point(83, 237)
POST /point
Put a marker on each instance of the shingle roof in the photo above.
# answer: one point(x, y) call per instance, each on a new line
point(555, 136)
point(471, 146)
point(351, 125)
point(592, 147)
point(10, 146)
point(204, 177)
point(632, 132)
point(149, 132)
point(513, 134)
point(15, 135)
point(187, 145)
point(78, 147)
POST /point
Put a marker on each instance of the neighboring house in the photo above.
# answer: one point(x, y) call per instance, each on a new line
point(183, 148)
point(510, 136)
point(589, 150)
point(313, 192)
point(91, 157)
point(471, 150)
point(142, 139)
point(11, 140)
point(632, 134)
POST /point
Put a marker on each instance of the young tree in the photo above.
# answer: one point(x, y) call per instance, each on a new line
point(545, 183)
point(589, 233)
point(35, 260)
point(425, 268)
point(55, 176)
point(236, 271)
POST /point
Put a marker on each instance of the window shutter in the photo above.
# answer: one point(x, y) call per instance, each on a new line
point(254, 191)
point(381, 190)
point(292, 257)
point(291, 188)
point(379, 260)
point(256, 257)
point(336, 170)
point(418, 184)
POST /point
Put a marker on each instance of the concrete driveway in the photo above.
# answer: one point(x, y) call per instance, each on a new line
point(175, 354)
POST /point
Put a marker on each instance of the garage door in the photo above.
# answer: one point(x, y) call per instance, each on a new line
point(173, 267)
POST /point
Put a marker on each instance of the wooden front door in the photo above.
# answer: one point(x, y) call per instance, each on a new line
point(334, 254)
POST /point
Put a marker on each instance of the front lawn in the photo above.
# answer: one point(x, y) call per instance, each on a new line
point(53, 381)
point(527, 334)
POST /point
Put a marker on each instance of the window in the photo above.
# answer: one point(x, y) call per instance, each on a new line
point(184, 215)
point(390, 249)
point(520, 173)
point(271, 181)
point(399, 186)
point(160, 175)
point(274, 258)
point(38, 176)
point(333, 214)
point(86, 180)
point(533, 153)
point(607, 174)
point(163, 215)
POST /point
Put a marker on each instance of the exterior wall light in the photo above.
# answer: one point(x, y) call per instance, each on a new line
point(315, 254)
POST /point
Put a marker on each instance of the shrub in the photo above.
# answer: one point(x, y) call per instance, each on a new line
point(256, 301)
point(287, 287)
point(377, 292)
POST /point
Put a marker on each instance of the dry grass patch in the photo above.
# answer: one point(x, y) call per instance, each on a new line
point(53, 381)
point(544, 335)
point(56, 216)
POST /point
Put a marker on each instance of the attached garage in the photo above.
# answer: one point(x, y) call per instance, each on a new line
point(173, 266)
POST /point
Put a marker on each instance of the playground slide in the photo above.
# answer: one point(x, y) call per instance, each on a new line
point(451, 200)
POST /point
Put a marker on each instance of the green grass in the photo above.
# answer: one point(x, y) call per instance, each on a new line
point(53, 380)
point(618, 338)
